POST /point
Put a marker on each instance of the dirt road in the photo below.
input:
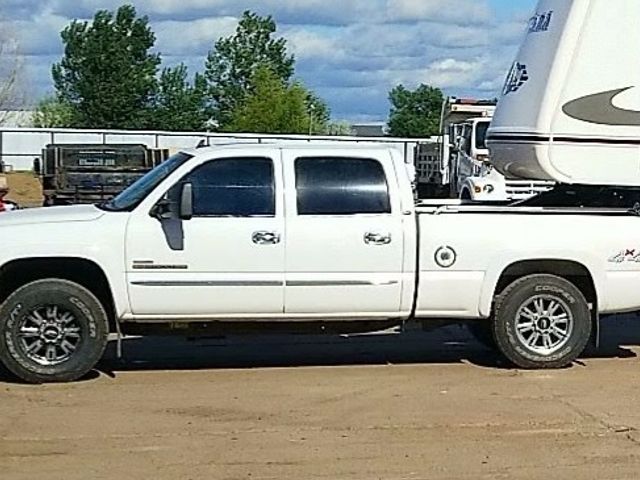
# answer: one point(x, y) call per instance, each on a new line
point(417, 406)
point(24, 189)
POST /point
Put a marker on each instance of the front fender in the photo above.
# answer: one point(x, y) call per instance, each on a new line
point(100, 242)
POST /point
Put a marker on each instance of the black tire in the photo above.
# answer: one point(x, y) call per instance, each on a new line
point(483, 333)
point(65, 318)
point(511, 320)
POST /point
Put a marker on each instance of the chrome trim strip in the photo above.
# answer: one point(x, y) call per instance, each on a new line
point(336, 283)
point(149, 266)
point(259, 283)
point(207, 283)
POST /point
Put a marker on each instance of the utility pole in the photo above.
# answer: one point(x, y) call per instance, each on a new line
point(311, 112)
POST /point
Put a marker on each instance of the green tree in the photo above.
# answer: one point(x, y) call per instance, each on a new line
point(319, 112)
point(107, 73)
point(415, 113)
point(52, 112)
point(233, 61)
point(179, 104)
point(272, 106)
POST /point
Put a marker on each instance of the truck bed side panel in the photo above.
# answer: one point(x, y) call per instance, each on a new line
point(485, 245)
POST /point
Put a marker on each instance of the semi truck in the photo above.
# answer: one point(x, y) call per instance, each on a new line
point(330, 237)
point(462, 166)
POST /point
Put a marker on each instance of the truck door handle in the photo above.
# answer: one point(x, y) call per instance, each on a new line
point(373, 238)
point(265, 238)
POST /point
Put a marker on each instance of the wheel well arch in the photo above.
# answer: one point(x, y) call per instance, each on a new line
point(17, 273)
point(570, 270)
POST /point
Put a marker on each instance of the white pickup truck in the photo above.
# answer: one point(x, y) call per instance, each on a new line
point(303, 235)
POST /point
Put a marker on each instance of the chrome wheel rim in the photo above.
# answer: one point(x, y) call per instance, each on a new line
point(49, 335)
point(544, 324)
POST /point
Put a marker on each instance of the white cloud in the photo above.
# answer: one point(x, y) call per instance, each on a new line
point(450, 73)
point(448, 11)
point(304, 43)
point(39, 35)
point(196, 36)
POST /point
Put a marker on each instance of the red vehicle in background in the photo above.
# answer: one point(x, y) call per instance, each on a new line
point(5, 205)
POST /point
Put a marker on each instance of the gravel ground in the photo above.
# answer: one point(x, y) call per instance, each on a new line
point(411, 406)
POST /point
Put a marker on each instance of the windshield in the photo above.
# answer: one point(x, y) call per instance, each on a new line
point(481, 134)
point(129, 198)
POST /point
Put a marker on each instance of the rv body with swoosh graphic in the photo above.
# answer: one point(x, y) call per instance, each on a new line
point(576, 117)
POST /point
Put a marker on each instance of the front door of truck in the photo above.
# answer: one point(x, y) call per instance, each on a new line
point(344, 248)
point(225, 262)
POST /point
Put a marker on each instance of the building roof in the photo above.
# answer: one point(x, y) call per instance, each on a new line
point(369, 129)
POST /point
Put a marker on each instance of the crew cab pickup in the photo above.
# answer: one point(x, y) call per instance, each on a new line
point(298, 236)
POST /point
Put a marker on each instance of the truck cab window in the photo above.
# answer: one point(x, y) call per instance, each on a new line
point(341, 186)
point(233, 187)
point(466, 136)
point(481, 135)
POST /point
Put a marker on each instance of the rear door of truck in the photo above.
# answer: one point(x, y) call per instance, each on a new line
point(344, 252)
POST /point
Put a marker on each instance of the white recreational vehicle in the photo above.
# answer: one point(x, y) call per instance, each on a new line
point(570, 110)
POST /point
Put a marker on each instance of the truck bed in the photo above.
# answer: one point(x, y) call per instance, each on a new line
point(464, 251)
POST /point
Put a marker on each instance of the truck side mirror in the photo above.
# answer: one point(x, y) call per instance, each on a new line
point(36, 166)
point(162, 210)
point(186, 202)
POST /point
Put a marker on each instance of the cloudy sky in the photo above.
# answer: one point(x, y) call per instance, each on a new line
point(349, 51)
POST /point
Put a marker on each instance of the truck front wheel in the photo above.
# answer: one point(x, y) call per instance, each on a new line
point(52, 331)
point(541, 321)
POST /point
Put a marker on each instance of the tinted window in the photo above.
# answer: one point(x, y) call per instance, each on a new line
point(341, 186)
point(238, 187)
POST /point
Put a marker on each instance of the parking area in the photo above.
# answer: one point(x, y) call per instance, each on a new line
point(413, 406)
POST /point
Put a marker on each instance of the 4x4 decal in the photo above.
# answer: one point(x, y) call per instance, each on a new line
point(626, 255)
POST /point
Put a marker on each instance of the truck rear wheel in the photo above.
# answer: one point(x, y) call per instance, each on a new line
point(541, 321)
point(52, 331)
